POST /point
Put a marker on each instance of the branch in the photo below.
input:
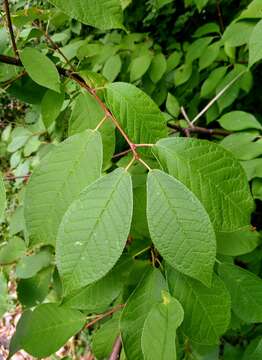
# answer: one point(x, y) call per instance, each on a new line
point(220, 17)
point(116, 349)
point(10, 27)
point(198, 130)
point(10, 60)
point(102, 316)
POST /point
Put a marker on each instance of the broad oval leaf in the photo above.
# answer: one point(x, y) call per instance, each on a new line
point(180, 227)
point(139, 66)
point(51, 105)
point(157, 68)
point(48, 328)
point(98, 296)
point(206, 310)
point(246, 292)
point(239, 120)
point(159, 332)
point(255, 44)
point(94, 230)
point(57, 181)
point(137, 113)
point(40, 68)
point(2, 196)
point(238, 242)
point(112, 67)
point(139, 304)
point(213, 175)
point(103, 14)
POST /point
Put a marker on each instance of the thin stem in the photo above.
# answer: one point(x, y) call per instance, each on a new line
point(100, 123)
point(220, 17)
point(115, 354)
point(217, 96)
point(199, 130)
point(142, 251)
point(122, 153)
point(9, 178)
point(144, 163)
point(130, 163)
point(57, 48)
point(102, 316)
point(183, 111)
point(144, 145)
point(10, 27)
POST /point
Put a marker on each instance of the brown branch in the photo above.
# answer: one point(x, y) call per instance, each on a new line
point(10, 60)
point(115, 354)
point(220, 17)
point(102, 316)
point(198, 130)
point(10, 27)
point(10, 178)
point(55, 46)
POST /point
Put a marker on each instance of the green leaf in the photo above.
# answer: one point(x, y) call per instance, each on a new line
point(232, 93)
point(212, 81)
point(16, 340)
point(196, 49)
point(173, 209)
point(51, 106)
point(238, 242)
point(253, 350)
point(172, 105)
point(136, 112)
point(12, 251)
point(104, 338)
point(48, 328)
point(206, 310)
point(62, 174)
point(159, 332)
point(2, 196)
point(32, 145)
point(139, 66)
point(95, 226)
point(209, 55)
point(104, 14)
point(157, 68)
point(182, 74)
point(34, 290)
point(253, 11)
point(173, 60)
point(4, 297)
point(239, 120)
point(112, 67)
point(210, 172)
point(253, 168)
point(19, 137)
point(200, 4)
point(40, 68)
point(257, 189)
point(206, 29)
point(255, 44)
point(246, 292)
point(139, 304)
point(238, 33)
point(243, 145)
point(29, 265)
point(87, 114)
point(98, 296)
